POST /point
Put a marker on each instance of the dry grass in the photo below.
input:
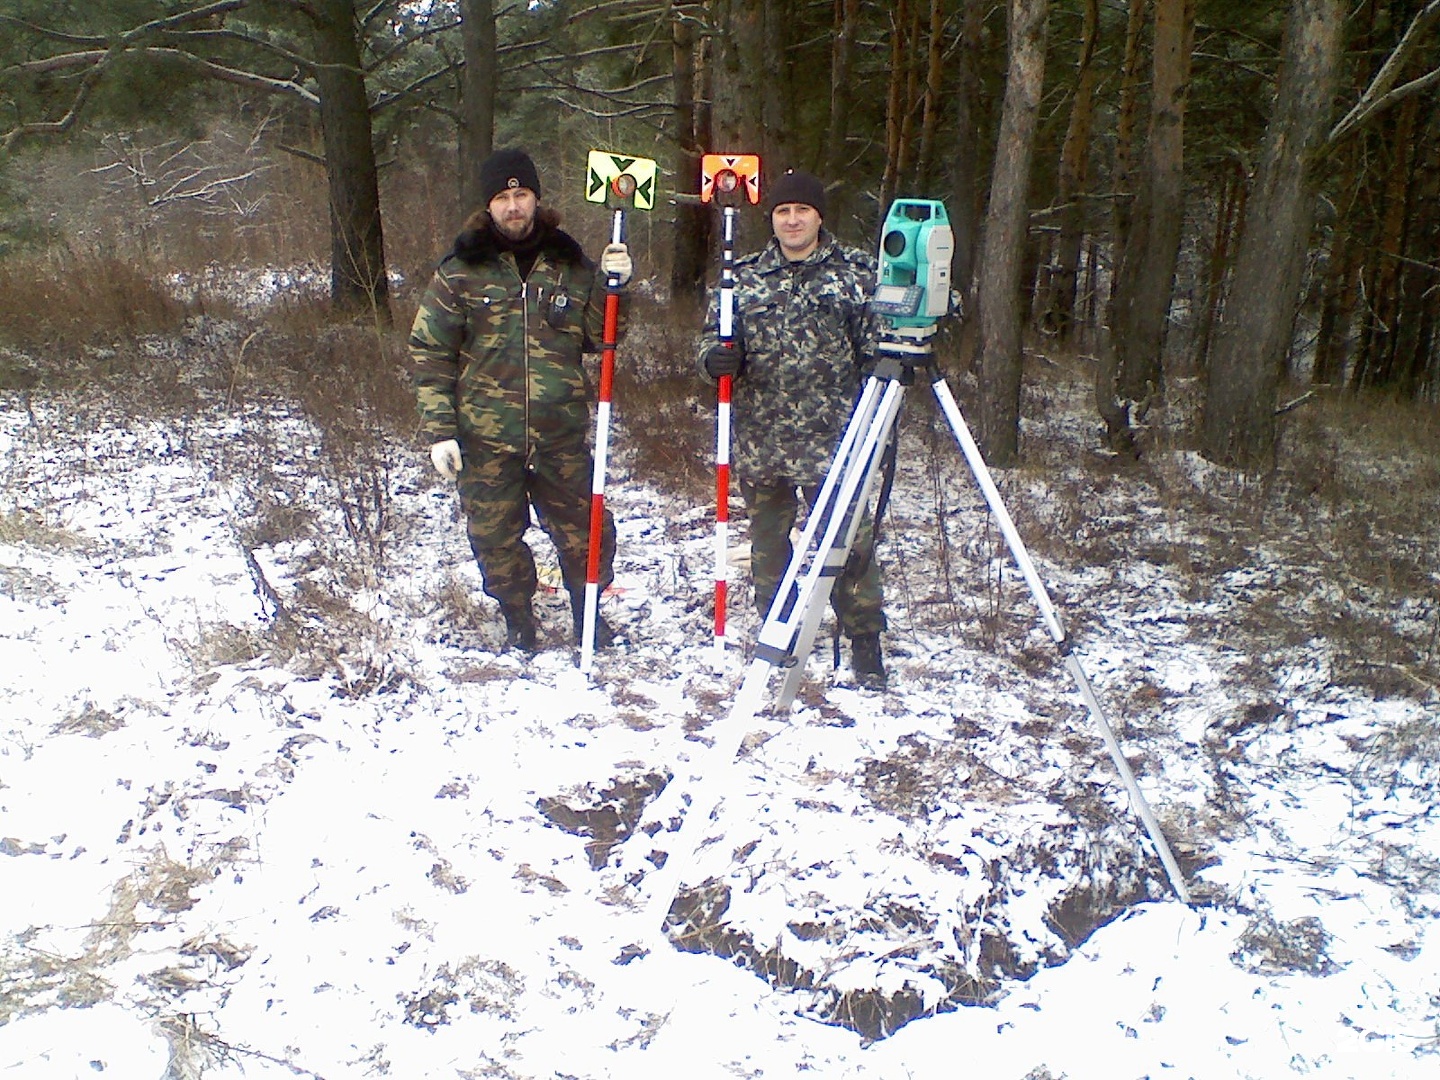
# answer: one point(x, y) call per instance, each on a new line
point(158, 888)
point(67, 301)
point(666, 407)
point(27, 527)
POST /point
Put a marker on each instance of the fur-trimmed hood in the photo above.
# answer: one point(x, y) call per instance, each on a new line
point(477, 242)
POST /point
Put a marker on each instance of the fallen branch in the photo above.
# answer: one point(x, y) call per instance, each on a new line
point(1289, 405)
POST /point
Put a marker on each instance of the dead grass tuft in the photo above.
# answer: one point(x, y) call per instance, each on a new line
point(26, 527)
point(58, 304)
point(1270, 947)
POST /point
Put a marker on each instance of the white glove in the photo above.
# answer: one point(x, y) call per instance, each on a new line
point(446, 458)
point(615, 259)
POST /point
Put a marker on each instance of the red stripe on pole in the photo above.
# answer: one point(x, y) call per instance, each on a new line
point(597, 516)
point(607, 378)
point(612, 329)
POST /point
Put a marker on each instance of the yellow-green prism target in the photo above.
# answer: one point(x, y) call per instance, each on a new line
point(621, 181)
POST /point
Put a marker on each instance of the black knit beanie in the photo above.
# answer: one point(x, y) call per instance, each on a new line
point(798, 187)
point(507, 169)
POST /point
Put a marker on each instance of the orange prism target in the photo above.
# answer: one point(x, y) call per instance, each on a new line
point(729, 174)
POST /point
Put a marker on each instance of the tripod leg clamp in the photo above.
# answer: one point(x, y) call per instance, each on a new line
point(782, 658)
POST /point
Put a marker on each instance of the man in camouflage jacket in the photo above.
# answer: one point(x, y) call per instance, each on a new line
point(805, 342)
point(503, 394)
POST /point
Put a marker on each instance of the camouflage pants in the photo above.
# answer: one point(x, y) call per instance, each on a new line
point(857, 597)
point(498, 489)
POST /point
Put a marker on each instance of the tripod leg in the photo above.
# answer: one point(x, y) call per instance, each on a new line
point(849, 475)
point(1057, 632)
point(841, 519)
point(708, 777)
point(786, 592)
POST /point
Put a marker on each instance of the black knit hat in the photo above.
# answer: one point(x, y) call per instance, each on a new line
point(507, 169)
point(798, 187)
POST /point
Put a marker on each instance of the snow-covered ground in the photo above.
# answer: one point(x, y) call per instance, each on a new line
point(274, 802)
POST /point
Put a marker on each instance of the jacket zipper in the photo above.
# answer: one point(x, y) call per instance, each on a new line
point(525, 351)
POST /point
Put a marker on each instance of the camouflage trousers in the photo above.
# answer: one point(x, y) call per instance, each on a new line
point(497, 490)
point(857, 598)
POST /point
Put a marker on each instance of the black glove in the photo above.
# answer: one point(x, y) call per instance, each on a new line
point(722, 360)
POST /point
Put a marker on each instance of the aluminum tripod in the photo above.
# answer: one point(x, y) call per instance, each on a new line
point(788, 633)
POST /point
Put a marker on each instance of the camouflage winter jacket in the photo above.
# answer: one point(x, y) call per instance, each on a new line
point(809, 341)
point(496, 361)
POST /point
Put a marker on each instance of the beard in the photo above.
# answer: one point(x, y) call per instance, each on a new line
point(515, 227)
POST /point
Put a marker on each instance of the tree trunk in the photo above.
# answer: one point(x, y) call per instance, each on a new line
point(1146, 275)
point(895, 103)
point(1376, 366)
point(739, 73)
point(1418, 286)
point(934, 88)
point(777, 116)
point(1339, 286)
point(1122, 173)
point(1238, 427)
point(910, 96)
point(357, 247)
point(477, 96)
point(692, 222)
point(1345, 267)
point(1071, 183)
point(998, 357)
point(965, 181)
point(1227, 216)
point(842, 50)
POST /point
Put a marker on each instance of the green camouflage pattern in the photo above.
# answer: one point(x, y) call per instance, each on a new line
point(809, 340)
point(497, 489)
point(857, 596)
point(496, 360)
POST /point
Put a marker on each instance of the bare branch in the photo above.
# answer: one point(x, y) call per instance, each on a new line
point(1355, 120)
point(288, 55)
point(616, 114)
point(302, 154)
point(55, 35)
point(235, 75)
point(62, 62)
point(1378, 95)
point(1281, 410)
point(402, 44)
point(393, 97)
point(615, 9)
point(184, 18)
point(98, 61)
point(155, 26)
point(66, 122)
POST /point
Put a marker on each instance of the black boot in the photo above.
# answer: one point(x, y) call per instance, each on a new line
point(520, 630)
point(865, 661)
point(604, 636)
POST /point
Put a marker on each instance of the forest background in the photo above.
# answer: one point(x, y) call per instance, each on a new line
point(1244, 192)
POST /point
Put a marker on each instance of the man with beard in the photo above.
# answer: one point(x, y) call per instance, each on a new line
point(502, 392)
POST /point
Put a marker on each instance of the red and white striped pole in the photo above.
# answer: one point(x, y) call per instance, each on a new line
point(602, 453)
point(722, 434)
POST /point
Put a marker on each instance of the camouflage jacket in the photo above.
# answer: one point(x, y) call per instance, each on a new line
point(496, 360)
point(809, 340)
